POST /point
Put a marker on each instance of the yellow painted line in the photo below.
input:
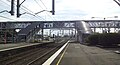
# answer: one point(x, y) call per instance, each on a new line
point(52, 58)
point(62, 55)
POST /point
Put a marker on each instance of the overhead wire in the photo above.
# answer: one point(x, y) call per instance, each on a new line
point(6, 17)
point(39, 4)
point(5, 11)
point(45, 8)
point(28, 11)
point(32, 12)
point(4, 2)
point(43, 4)
point(3, 5)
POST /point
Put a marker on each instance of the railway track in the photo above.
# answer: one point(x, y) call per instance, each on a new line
point(33, 57)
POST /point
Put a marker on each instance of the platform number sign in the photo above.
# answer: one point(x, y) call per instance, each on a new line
point(48, 25)
point(69, 24)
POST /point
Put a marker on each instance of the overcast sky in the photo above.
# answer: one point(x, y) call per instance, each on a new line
point(64, 10)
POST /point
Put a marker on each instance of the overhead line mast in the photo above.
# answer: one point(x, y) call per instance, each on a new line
point(12, 7)
point(18, 8)
point(53, 7)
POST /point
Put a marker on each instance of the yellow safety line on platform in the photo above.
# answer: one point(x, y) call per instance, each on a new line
point(62, 55)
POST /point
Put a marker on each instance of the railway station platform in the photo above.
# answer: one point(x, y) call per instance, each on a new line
point(77, 54)
point(10, 46)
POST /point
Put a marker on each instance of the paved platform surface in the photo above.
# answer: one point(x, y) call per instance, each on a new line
point(77, 54)
point(17, 45)
point(10, 45)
